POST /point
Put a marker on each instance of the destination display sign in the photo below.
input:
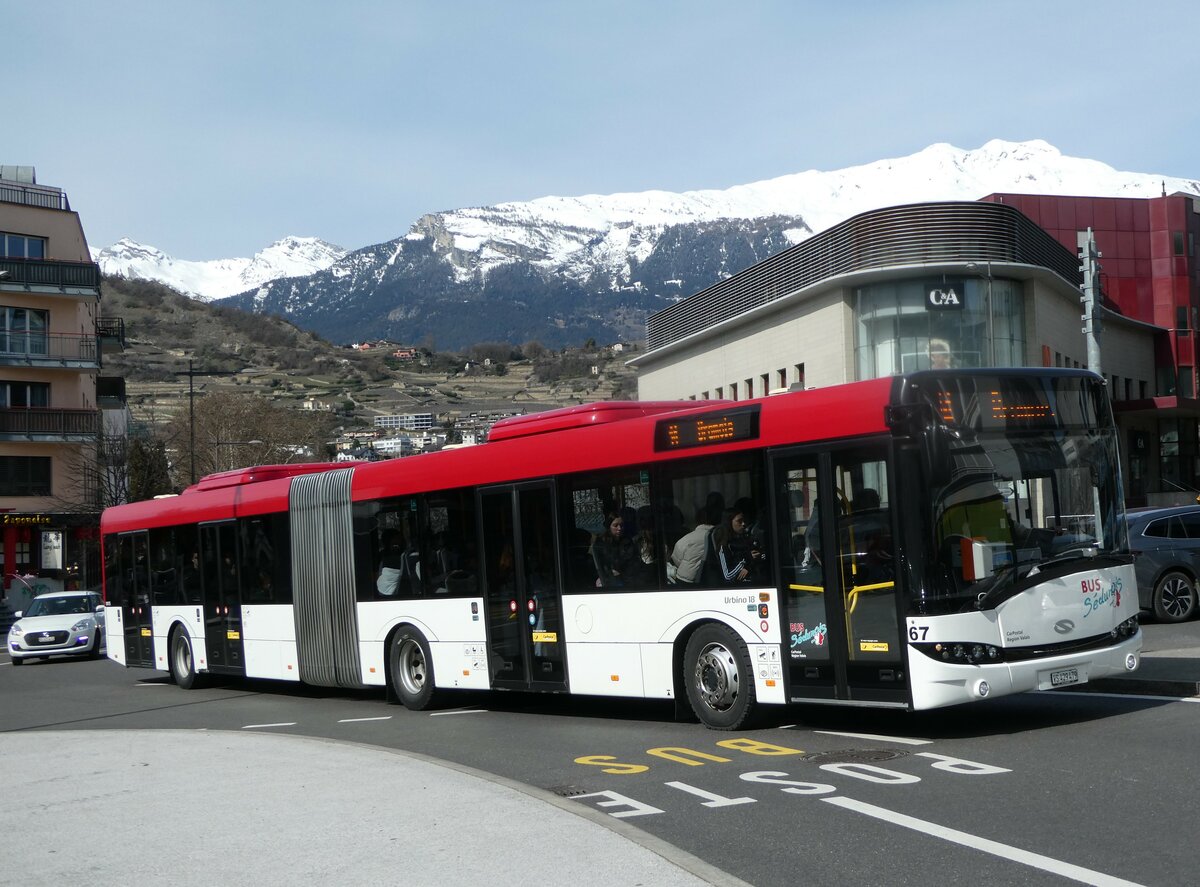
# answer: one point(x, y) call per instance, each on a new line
point(706, 429)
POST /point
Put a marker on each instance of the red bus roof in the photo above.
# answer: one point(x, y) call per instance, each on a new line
point(586, 438)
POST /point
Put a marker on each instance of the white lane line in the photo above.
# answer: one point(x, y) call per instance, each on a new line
point(898, 739)
point(465, 711)
point(262, 726)
point(360, 720)
point(152, 685)
point(1128, 696)
point(1004, 851)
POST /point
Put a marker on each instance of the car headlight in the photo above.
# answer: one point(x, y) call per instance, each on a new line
point(16, 631)
point(82, 625)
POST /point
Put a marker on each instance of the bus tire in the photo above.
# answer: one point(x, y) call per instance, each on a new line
point(411, 669)
point(719, 678)
point(183, 661)
point(1174, 597)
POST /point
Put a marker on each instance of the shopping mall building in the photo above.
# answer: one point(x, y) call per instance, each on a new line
point(988, 283)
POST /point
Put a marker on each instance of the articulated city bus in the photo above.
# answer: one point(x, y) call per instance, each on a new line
point(907, 542)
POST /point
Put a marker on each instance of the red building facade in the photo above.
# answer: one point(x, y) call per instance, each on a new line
point(1150, 273)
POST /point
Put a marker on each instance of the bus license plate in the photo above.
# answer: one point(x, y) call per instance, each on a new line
point(1063, 677)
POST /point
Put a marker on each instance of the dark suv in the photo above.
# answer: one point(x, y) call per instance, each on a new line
point(1166, 556)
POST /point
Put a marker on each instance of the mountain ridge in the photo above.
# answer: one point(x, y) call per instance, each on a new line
point(563, 269)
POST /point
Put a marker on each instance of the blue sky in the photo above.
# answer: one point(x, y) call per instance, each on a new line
point(210, 128)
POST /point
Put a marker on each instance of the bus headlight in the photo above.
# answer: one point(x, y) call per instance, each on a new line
point(967, 654)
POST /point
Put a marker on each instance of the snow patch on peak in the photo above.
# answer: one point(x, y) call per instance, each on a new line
point(218, 278)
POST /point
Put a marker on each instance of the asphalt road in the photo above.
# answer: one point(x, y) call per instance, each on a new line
point(1044, 788)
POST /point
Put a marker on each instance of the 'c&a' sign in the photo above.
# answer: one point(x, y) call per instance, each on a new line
point(944, 298)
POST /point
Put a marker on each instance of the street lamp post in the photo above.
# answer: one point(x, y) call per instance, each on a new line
point(192, 373)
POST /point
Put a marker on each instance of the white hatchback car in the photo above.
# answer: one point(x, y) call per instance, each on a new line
point(57, 624)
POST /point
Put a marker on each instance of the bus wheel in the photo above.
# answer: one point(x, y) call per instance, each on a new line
point(718, 677)
point(183, 663)
point(411, 669)
point(1174, 597)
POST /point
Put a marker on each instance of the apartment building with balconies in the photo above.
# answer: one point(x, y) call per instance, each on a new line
point(62, 424)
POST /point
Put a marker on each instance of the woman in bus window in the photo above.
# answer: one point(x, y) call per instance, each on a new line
point(737, 557)
point(614, 554)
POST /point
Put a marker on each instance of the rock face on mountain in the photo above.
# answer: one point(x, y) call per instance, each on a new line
point(425, 288)
point(560, 270)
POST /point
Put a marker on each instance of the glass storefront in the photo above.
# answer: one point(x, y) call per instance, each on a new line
point(919, 324)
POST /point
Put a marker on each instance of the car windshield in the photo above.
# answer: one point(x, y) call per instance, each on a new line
point(1018, 503)
point(60, 606)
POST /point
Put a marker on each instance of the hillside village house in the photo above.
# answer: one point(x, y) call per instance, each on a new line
point(988, 283)
point(55, 406)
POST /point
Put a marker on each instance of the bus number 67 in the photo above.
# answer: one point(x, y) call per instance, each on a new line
point(918, 632)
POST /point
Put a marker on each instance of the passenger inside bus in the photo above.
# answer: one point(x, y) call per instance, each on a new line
point(614, 554)
point(738, 557)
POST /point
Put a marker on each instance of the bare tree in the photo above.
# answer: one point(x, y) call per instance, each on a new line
point(234, 430)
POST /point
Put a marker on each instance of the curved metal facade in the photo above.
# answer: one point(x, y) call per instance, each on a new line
point(916, 234)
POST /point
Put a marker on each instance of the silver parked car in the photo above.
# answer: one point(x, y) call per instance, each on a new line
point(56, 624)
point(1166, 556)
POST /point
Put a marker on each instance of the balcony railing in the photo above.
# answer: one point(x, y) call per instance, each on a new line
point(33, 195)
point(111, 331)
point(46, 273)
point(41, 349)
point(39, 423)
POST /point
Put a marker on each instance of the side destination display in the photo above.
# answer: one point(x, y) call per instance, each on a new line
point(706, 429)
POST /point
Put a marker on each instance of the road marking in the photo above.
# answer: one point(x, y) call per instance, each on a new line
point(465, 711)
point(360, 720)
point(1130, 696)
point(1015, 854)
point(898, 739)
point(262, 726)
point(151, 685)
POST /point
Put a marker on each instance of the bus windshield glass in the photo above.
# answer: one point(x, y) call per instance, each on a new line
point(1029, 484)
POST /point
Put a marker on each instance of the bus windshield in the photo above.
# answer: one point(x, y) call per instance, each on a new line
point(1022, 496)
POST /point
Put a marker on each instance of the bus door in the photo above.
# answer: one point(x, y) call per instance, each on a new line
point(837, 576)
point(524, 597)
point(220, 580)
point(132, 587)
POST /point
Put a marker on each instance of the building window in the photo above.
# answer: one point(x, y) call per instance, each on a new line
point(733, 390)
point(23, 330)
point(704, 395)
point(1181, 318)
point(24, 475)
point(1186, 387)
point(1177, 242)
point(782, 377)
point(720, 393)
point(765, 378)
point(15, 395)
point(19, 246)
point(749, 389)
point(895, 325)
point(799, 383)
point(1128, 389)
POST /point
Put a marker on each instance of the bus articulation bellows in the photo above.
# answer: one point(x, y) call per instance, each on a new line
point(909, 542)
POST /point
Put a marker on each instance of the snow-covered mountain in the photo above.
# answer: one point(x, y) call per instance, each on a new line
point(216, 279)
point(562, 269)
